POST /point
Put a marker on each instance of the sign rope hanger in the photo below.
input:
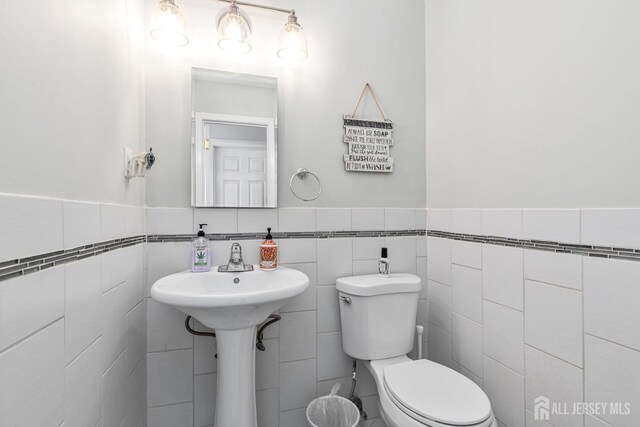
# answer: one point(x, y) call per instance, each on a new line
point(369, 140)
point(368, 87)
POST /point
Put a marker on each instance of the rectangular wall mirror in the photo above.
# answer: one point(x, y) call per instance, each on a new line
point(234, 143)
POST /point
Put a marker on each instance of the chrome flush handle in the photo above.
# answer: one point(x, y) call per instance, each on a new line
point(345, 299)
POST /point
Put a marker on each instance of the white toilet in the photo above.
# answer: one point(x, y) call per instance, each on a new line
point(378, 316)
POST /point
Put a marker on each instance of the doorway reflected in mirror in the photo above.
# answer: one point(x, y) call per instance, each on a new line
point(234, 140)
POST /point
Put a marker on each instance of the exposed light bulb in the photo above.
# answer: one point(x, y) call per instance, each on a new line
point(168, 25)
point(234, 31)
point(292, 43)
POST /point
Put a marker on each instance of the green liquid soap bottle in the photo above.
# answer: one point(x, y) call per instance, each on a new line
point(201, 253)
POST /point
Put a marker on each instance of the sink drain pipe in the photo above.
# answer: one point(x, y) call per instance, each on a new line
point(273, 318)
point(197, 333)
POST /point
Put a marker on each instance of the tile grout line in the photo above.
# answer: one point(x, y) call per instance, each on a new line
point(526, 344)
point(32, 334)
point(588, 334)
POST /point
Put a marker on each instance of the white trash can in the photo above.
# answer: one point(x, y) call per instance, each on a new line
point(332, 411)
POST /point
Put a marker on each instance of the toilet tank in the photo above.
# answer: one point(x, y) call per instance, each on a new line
point(378, 314)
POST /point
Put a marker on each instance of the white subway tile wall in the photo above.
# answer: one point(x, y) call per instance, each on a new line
point(257, 220)
point(29, 303)
point(505, 389)
point(217, 220)
point(113, 221)
point(611, 375)
point(611, 227)
point(439, 219)
point(328, 219)
point(296, 219)
point(81, 223)
point(502, 222)
point(504, 335)
point(466, 253)
point(439, 260)
point(72, 340)
point(611, 297)
point(553, 320)
point(466, 348)
point(367, 219)
point(399, 219)
point(467, 292)
point(466, 221)
point(25, 230)
point(556, 379)
point(502, 275)
point(560, 225)
point(303, 356)
point(559, 325)
point(439, 305)
point(169, 221)
point(516, 331)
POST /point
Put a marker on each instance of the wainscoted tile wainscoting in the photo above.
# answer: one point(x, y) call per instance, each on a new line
point(511, 299)
point(538, 302)
point(72, 331)
point(303, 356)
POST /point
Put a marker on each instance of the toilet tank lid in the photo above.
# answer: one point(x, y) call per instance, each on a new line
point(374, 284)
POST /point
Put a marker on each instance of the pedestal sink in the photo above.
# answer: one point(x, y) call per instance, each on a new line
point(233, 304)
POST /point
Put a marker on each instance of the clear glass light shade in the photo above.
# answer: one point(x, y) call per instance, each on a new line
point(292, 43)
point(168, 25)
point(234, 32)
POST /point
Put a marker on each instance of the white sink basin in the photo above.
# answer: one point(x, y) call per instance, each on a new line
point(233, 304)
point(217, 301)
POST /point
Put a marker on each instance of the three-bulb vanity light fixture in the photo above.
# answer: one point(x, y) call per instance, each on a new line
point(169, 27)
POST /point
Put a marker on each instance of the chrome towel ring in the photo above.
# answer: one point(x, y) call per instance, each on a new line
point(302, 173)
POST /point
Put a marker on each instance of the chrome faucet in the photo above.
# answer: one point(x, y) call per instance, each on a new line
point(236, 264)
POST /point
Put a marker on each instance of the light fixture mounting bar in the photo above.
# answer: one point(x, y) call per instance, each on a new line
point(259, 6)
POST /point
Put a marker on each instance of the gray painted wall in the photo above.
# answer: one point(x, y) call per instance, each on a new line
point(71, 87)
point(350, 43)
point(234, 99)
point(532, 104)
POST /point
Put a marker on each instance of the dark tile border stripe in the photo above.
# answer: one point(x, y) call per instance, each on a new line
point(540, 245)
point(32, 264)
point(287, 235)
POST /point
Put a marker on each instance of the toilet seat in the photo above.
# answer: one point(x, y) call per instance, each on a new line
point(433, 394)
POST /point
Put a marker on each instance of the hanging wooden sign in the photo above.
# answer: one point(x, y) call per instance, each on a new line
point(369, 141)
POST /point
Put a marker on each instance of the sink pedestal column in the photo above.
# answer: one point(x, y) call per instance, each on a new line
point(236, 391)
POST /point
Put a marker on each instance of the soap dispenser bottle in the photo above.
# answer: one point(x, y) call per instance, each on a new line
point(201, 253)
point(383, 263)
point(268, 252)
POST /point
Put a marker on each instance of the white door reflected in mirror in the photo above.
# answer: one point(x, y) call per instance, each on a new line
point(234, 140)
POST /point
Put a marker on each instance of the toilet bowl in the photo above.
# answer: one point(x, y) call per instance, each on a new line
point(423, 393)
point(378, 319)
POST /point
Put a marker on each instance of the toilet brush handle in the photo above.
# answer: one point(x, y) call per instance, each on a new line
point(420, 330)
